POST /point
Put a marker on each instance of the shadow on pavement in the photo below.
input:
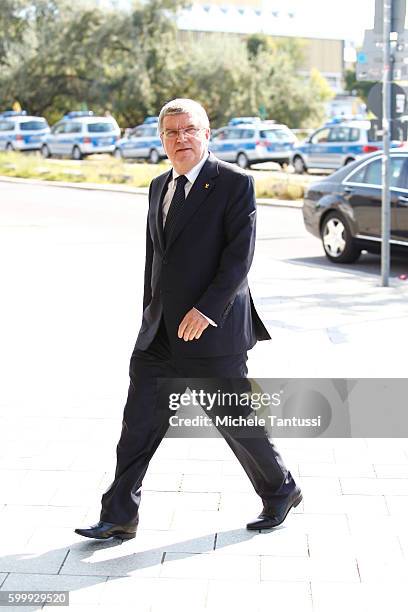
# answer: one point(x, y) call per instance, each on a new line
point(77, 560)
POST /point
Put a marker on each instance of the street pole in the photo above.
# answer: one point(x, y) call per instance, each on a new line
point(386, 125)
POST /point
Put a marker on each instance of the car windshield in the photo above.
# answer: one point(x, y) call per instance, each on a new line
point(101, 127)
point(281, 135)
point(33, 125)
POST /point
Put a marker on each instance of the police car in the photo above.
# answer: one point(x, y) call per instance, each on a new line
point(142, 142)
point(335, 145)
point(251, 143)
point(80, 133)
point(21, 132)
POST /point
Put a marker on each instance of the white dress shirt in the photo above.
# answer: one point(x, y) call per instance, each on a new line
point(191, 177)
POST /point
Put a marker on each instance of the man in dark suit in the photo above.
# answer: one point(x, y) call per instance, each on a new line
point(199, 319)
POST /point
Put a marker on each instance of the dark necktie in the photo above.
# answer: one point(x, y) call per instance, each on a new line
point(177, 201)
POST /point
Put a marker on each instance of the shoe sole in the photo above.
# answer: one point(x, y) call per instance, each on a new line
point(120, 536)
point(125, 536)
point(295, 503)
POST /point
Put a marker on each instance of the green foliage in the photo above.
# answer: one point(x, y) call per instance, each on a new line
point(360, 88)
point(58, 55)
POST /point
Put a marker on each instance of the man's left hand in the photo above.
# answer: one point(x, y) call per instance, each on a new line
point(192, 326)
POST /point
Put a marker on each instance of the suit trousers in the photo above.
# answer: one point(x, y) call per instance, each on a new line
point(146, 421)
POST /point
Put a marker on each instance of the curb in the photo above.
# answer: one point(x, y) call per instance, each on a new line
point(134, 190)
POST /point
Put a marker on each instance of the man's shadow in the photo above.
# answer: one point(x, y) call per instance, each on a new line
point(121, 566)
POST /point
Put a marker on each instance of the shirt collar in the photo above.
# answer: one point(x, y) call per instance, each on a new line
point(192, 174)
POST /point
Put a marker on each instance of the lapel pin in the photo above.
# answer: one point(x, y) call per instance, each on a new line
point(207, 185)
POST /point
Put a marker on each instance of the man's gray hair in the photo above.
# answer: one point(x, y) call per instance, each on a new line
point(184, 105)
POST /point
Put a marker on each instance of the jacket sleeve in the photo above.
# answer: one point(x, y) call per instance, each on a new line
point(237, 256)
point(147, 293)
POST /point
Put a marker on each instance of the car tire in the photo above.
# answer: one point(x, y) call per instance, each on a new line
point(76, 153)
point(299, 165)
point(117, 154)
point(154, 156)
point(9, 147)
point(45, 152)
point(242, 161)
point(338, 242)
point(349, 160)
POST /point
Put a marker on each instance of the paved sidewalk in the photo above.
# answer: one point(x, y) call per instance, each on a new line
point(345, 547)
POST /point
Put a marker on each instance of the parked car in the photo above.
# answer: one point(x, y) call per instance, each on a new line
point(151, 119)
point(252, 143)
point(335, 145)
point(344, 210)
point(143, 142)
point(21, 132)
point(240, 120)
point(80, 133)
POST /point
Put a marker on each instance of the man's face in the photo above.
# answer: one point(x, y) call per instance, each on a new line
point(184, 150)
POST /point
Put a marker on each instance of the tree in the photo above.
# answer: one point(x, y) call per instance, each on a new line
point(12, 26)
point(59, 55)
point(361, 88)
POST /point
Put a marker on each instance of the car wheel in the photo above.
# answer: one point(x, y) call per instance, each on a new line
point(349, 160)
point(242, 160)
point(9, 147)
point(76, 153)
point(338, 243)
point(154, 156)
point(117, 154)
point(45, 152)
point(299, 165)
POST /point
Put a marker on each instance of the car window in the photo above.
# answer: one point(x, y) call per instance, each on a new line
point(33, 125)
point(73, 128)
point(373, 171)
point(58, 129)
point(339, 134)
point(247, 134)
point(221, 135)
point(277, 135)
point(139, 132)
point(321, 136)
point(354, 134)
point(6, 126)
point(152, 131)
point(371, 174)
point(233, 134)
point(103, 126)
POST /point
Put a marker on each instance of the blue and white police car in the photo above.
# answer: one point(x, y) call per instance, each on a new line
point(21, 132)
point(335, 145)
point(252, 143)
point(81, 133)
point(142, 142)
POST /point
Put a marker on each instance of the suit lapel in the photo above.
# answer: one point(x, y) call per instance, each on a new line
point(161, 191)
point(202, 187)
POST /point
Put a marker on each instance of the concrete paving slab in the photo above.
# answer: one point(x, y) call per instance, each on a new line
point(38, 562)
point(273, 542)
point(212, 566)
point(83, 590)
point(110, 559)
point(242, 596)
point(297, 568)
point(374, 505)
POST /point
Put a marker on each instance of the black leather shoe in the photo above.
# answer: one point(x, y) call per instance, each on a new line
point(103, 531)
point(274, 515)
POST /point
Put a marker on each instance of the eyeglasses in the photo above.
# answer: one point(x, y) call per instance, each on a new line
point(188, 131)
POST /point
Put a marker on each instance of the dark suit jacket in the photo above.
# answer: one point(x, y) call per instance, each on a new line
point(205, 263)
